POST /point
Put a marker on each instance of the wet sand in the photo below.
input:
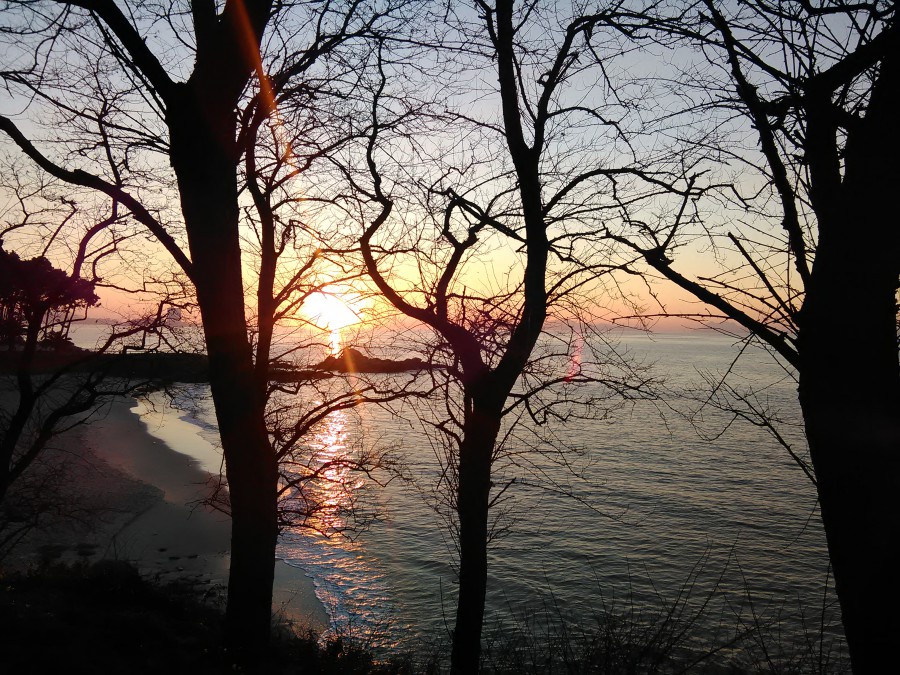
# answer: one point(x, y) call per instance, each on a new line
point(144, 498)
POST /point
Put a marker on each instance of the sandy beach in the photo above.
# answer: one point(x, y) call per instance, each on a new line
point(140, 502)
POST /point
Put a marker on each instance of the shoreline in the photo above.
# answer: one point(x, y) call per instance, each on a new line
point(148, 495)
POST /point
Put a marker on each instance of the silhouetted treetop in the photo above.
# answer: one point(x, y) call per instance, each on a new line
point(33, 291)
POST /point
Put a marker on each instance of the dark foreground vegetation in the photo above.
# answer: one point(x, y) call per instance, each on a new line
point(106, 618)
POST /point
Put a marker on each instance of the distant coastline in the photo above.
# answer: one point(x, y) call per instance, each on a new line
point(352, 360)
point(194, 368)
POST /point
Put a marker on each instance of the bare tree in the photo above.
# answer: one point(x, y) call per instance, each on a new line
point(302, 250)
point(53, 386)
point(166, 86)
point(805, 240)
point(482, 228)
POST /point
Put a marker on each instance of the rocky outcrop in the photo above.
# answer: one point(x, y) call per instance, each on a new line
point(352, 360)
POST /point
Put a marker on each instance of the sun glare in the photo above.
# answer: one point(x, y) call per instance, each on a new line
point(330, 312)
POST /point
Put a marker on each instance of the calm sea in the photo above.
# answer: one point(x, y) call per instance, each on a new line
point(652, 508)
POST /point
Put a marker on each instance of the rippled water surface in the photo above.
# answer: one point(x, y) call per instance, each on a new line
point(657, 507)
point(654, 506)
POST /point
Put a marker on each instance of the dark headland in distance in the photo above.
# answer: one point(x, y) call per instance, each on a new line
point(194, 368)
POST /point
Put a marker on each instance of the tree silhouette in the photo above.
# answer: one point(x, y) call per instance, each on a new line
point(38, 300)
point(172, 85)
point(809, 254)
point(33, 297)
point(490, 247)
point(51, 386)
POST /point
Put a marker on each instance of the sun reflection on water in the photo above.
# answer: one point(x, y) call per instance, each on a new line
point(335, 342)
point(334, 485)
point(348, 582)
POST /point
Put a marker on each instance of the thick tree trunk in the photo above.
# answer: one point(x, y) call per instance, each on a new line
point(850, 400)
point(251, 471)
point(850, 396)
point(850, 374)
point(473, 492)
point(204, 160)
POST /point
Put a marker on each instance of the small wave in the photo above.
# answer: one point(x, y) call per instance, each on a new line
point(355, 594)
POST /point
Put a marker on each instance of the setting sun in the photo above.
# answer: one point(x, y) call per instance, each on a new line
point(329, 311)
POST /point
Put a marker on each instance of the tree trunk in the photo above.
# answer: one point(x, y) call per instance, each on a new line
point(850, 396)
point(850, 379)
point(473, 491)
point(850, 400)
point(204, 160)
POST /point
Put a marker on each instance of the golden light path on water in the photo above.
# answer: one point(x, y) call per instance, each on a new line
point(333, 489)
point(326, 477)
point(348, 580)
